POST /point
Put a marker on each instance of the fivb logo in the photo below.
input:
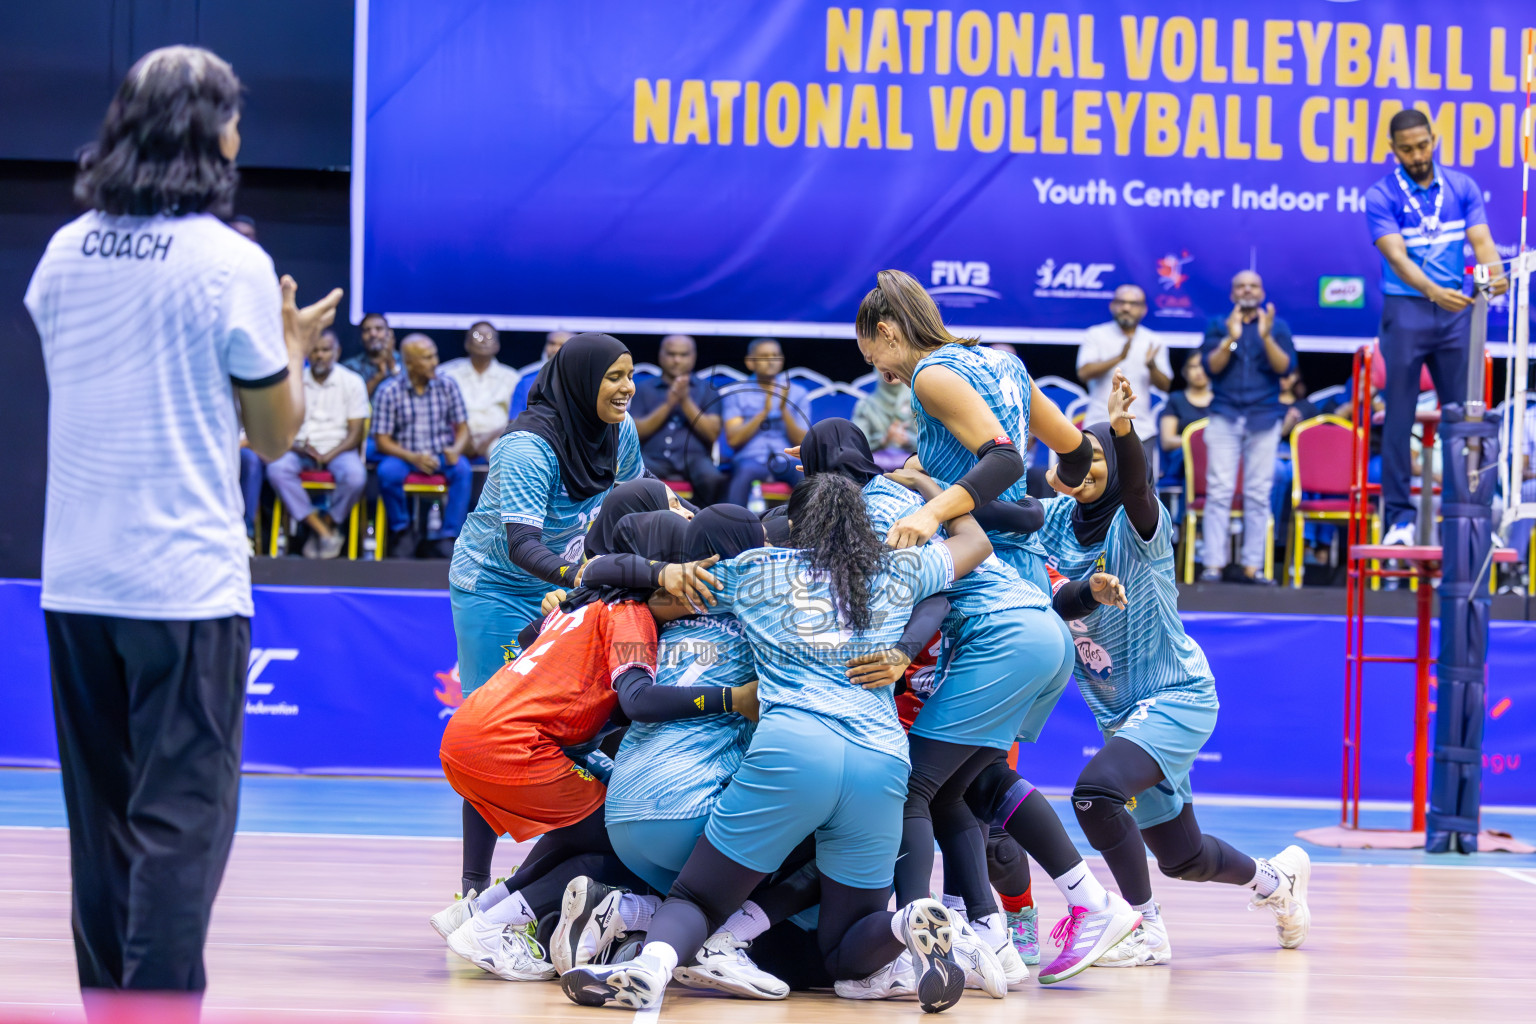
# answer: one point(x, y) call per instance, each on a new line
point(972, 273)
point(961, 284)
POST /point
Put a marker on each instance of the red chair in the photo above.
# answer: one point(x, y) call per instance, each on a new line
point(682, 488)
point(415, 484)
point(316, 480)
point(774, 493)
point(1194, 500)
point(1320, 466)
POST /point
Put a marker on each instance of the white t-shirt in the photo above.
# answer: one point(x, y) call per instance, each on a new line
point(329, 405)
point(145, 322)
point(487, 396)
point(1104, 341)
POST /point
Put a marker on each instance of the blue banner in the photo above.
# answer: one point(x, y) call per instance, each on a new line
point(361, 681)
point(747, 167)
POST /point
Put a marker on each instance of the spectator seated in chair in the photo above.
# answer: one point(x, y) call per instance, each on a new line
point(377, 362)
point(335, 414)
point(420, 426)
point(678, 418)
point(252, 473)
point(885, 417)
point(763, 416)
point(1183, 407)
point(486, 384)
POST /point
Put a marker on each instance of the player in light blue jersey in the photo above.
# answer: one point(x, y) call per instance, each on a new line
point(548, 476)
point(1004, 660)
point(1152, 692)
point(828, 759)
point(668, 776)
point(975, 410)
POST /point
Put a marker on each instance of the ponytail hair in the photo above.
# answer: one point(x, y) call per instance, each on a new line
point(829, 522)
point(899, 300)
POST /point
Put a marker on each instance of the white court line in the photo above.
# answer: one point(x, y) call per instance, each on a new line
point(647, 1016)
point(1516, 875)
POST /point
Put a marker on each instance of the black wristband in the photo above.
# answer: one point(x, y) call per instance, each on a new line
point(1072, 467)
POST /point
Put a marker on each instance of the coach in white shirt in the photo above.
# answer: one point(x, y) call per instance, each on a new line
point(1124, 345)
point(486, 384)
point(146, 574)
point(335, 415)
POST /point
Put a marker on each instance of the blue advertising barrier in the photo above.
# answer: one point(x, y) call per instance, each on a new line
point(747, 167)
point(361, 681)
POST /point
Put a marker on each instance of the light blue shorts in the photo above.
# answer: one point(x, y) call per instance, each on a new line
point(1172, 732)
point(486, 624)
point(999, 676)
point(801, 777)
point(656, 850)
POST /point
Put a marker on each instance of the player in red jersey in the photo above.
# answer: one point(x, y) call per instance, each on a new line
point(504, 752)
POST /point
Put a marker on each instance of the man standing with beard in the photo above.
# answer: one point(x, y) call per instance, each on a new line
point(1245, 355)
point(1123, 344)
point(1422, 217)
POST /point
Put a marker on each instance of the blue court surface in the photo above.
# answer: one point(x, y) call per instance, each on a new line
point(330, 805)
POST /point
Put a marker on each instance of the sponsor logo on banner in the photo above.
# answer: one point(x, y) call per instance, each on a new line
point(1072, 280)
point(1341, 292)
point(1171, 301)
point(961, 284)
point(256, 686)
point(449, 691)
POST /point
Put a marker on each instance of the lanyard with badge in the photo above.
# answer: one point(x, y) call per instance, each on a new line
point(1429, 225)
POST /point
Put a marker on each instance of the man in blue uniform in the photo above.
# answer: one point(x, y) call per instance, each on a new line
point(1422, 217)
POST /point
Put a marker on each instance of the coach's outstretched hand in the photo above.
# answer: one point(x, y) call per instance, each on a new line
point(302, 327)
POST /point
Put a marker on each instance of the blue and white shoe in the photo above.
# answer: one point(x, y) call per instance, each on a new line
point(634, 985)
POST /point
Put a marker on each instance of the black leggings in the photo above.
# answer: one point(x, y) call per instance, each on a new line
point(479, 847)
point(854, 935)
point(1007, 864)
point(1119, 772)
point(567, 853)
point(1001, 798)
point(941, 773)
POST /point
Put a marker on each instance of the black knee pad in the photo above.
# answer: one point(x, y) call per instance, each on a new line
point(1002, 850)
point(1201, 866)
point(1100, 812)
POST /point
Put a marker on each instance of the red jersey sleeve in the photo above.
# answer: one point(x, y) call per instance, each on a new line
point(631, 639)
point(1057, 579)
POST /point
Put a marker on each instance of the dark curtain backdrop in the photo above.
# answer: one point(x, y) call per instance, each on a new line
point(60, 62)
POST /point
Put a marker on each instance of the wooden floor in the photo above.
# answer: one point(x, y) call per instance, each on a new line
point(318, 928)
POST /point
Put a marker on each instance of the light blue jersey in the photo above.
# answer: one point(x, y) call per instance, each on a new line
point(1126, 658)
point(1004, 384)
point(801, 647)
point(993, 586)
point(524, 486)
point(677, 769)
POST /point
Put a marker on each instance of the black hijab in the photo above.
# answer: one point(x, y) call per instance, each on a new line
point(641, 495)
point(776, 524)
point(658, 536)
point(1090, 521)
point(836, 445)
point(562, 409)
point(724, 530)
